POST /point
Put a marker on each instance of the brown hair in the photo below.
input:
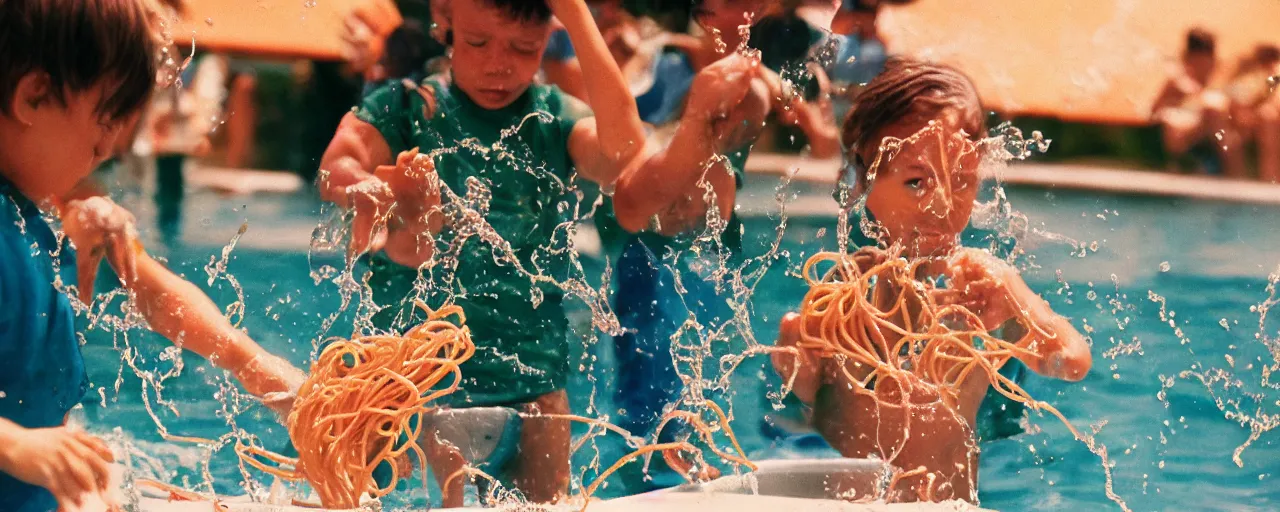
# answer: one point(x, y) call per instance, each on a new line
point(81, 44)
point(1200, 40)
point(909, 87)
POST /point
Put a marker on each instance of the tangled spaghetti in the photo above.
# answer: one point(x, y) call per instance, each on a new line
point(876, 310)
point(887, 319)
point(363, 399)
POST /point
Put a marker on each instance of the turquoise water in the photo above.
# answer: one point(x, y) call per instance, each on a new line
point(1170, 451)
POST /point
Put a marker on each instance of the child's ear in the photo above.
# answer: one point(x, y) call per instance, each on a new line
point(442, 11)
point(33, 91)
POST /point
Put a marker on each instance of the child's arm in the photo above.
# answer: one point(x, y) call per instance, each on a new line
point(803, 365)
point(727, 103)
point(71, 464)
point(601, 146)
point(993, 289)
point(815, 118)
point(173, 307)
point(347, 180)
point(561, 64)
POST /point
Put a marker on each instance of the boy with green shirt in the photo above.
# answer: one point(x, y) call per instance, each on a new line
point(513, 150)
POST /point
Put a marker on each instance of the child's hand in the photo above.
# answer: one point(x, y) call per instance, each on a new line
point(69, 463)
point(274, 379)
point(720, 87)
point(99, 227)
point(980, 282)
point(415, 187)
point(365, 30)
point(370, 201)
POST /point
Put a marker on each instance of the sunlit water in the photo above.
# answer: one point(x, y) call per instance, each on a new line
point(1171, 450)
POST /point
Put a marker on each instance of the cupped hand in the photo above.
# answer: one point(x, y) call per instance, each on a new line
point(979, 282)
point(98, 227)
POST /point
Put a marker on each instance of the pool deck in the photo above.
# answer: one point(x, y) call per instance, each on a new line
point(1097, 178)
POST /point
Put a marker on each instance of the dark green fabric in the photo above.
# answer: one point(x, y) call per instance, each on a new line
point(519, 326)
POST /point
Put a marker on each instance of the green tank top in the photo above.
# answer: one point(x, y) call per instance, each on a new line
point(512, 168)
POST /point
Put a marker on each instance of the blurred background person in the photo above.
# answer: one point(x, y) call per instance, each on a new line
point(1193, 116)
point(1255, 108)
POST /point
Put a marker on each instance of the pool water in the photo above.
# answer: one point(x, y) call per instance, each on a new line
point(1169, 441)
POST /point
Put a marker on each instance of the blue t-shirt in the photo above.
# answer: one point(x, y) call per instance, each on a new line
point(42, 373)
point(559, 47)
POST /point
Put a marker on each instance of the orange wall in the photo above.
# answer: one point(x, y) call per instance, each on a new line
point(1087, 60)
point(282, 28)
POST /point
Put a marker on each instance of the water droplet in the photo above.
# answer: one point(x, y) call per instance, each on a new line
point(1164, 266)
point(1225, 325)
point(1091, 295)
point(208, 21)
point(1219, 134)
point(1273, 82)
point(309, 4)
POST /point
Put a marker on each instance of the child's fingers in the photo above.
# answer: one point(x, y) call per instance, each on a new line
point(122, 257)
point(87, 272)
point(77, 478)
point(91, 463)
point(405, 158)
point(97, 445)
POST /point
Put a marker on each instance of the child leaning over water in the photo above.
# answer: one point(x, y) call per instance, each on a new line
point(920, 197)
point(72, 73)
point(519, 325)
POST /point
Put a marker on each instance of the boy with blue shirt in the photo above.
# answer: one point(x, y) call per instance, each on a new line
point(72, 72)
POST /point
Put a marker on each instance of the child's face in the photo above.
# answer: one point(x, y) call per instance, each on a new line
point(923, 194)
point(494, 56)
point(726, 15)
point(69, 141)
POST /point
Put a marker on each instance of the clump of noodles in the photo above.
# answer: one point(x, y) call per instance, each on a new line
point(362, 406)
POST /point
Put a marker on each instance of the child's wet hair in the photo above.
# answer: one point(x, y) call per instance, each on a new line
point(405, 50)
point(909, 87)
point(535, 11)
point(80, 44)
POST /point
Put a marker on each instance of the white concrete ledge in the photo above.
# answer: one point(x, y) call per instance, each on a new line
point(1064, 176)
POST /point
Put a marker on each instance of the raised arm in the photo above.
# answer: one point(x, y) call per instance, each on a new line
point(727, 103)
point(600, 148)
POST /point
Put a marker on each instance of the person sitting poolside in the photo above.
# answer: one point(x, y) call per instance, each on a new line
point(1193, 116)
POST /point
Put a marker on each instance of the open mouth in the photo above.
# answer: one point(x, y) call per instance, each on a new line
point(494, 95)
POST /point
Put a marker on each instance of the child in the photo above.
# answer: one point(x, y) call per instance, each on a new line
point(522, 359)
point(1191, 113)
point(921, 197)
point(61, 109)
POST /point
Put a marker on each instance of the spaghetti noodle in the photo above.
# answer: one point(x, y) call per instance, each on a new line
point(887, 320)
point(873, 309)
point(362, 407)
